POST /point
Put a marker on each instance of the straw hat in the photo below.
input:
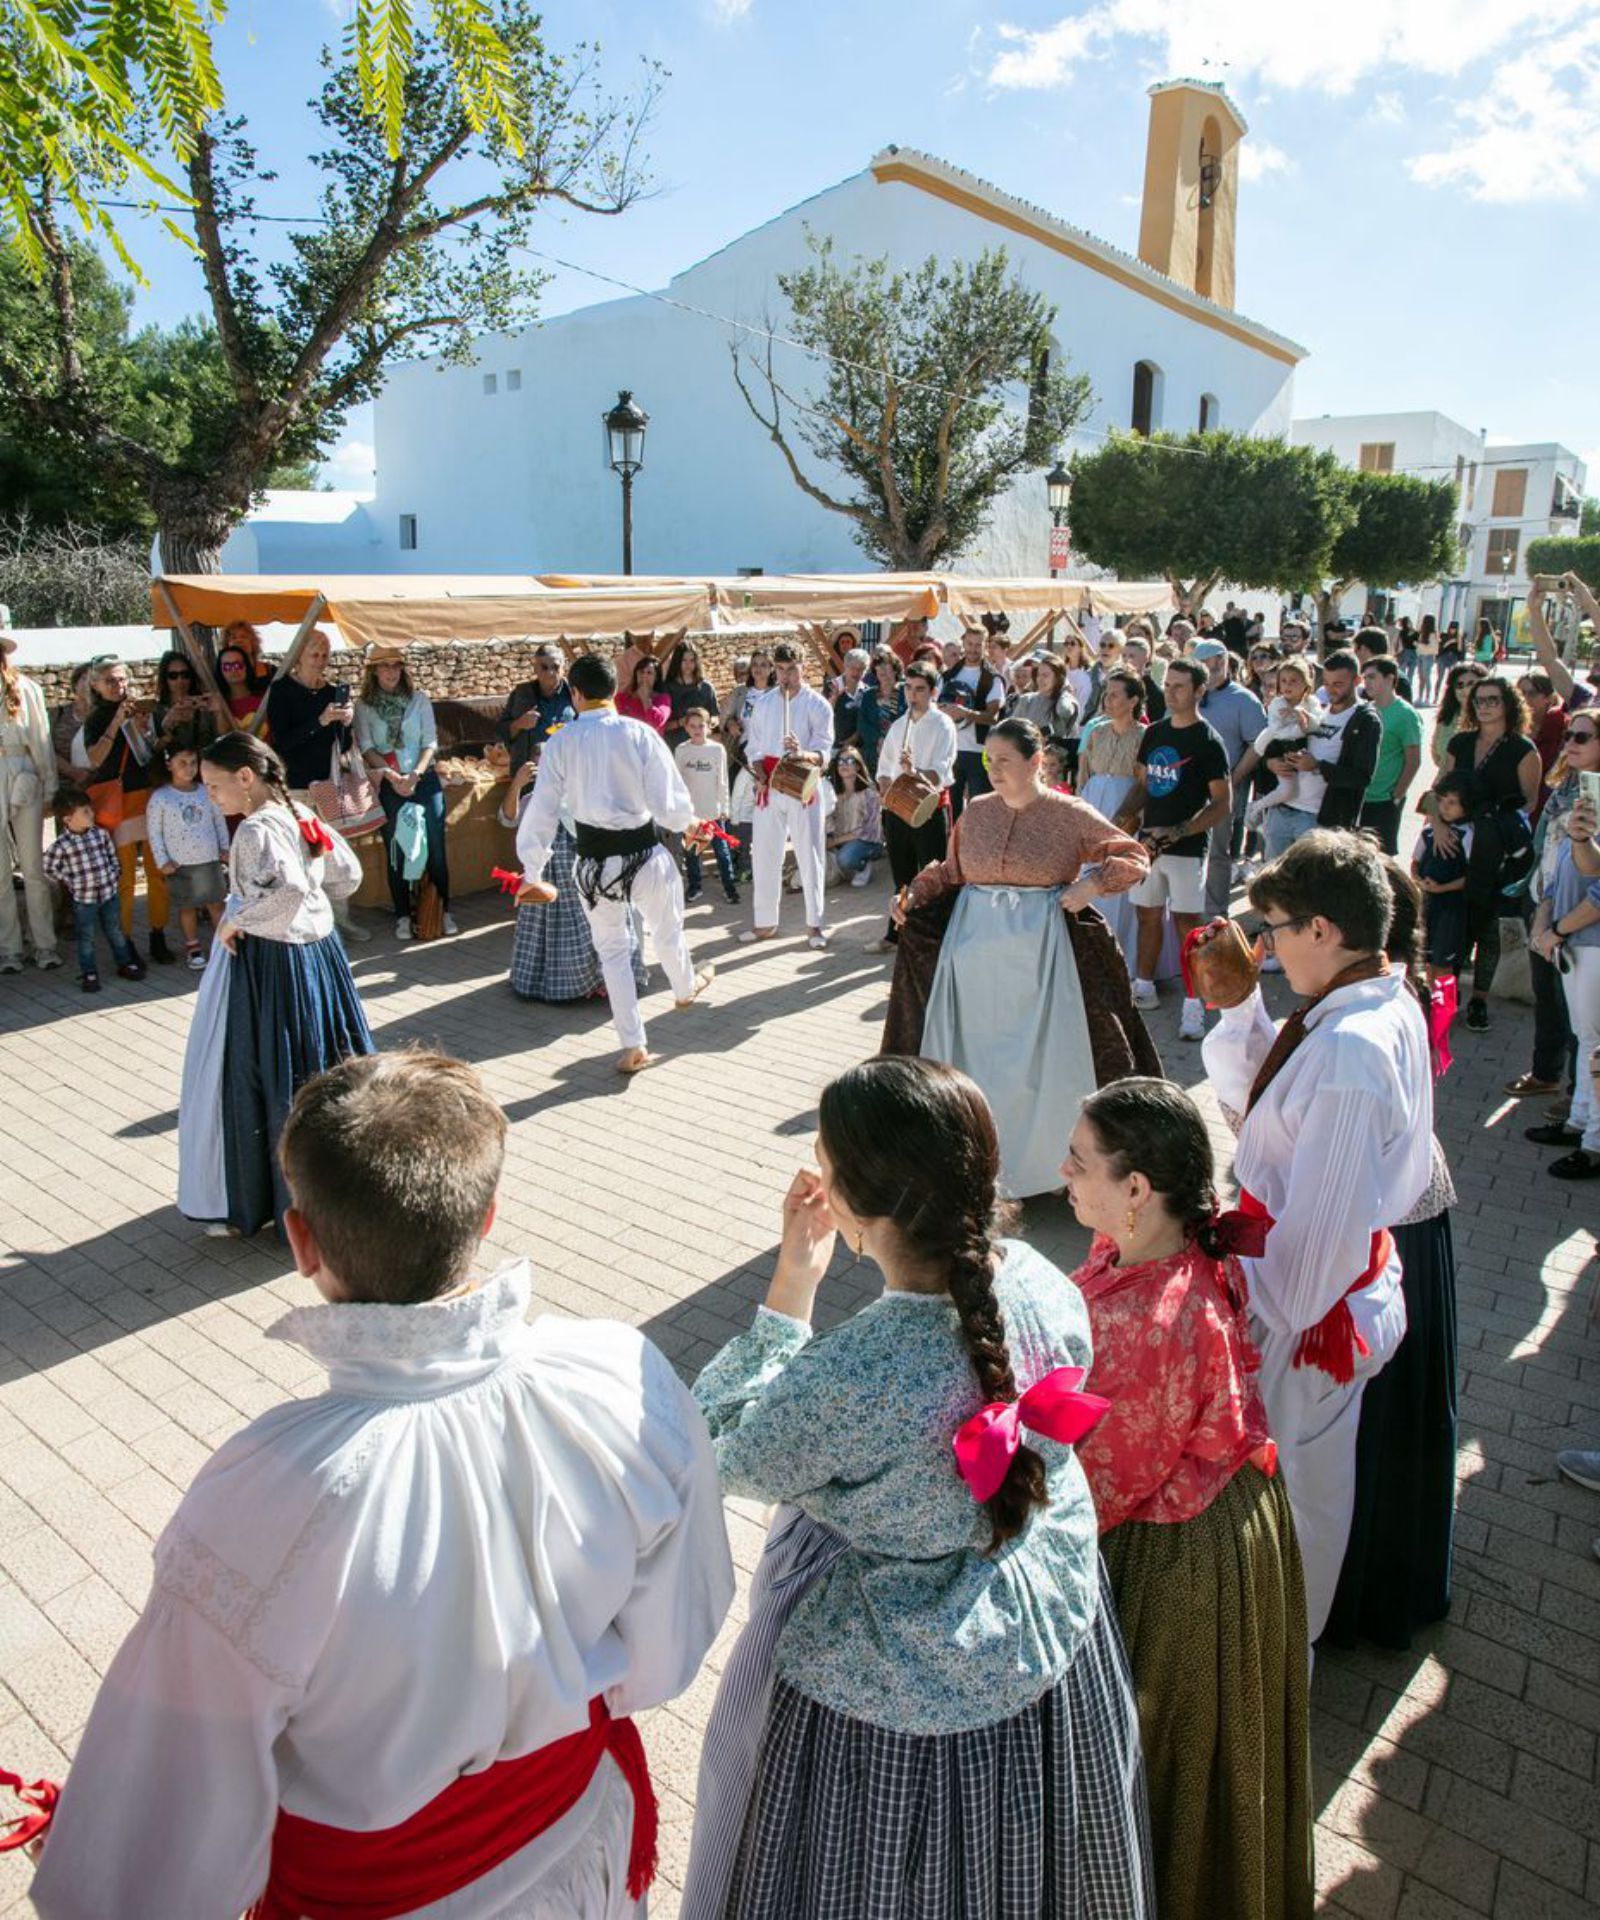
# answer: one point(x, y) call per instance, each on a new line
point(380, 654)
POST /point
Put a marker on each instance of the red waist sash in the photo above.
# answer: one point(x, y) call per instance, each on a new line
point(1334, 1344)
point(326, 1873)
point(768, 763)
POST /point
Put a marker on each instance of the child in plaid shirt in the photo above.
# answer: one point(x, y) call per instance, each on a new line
point(84, 859)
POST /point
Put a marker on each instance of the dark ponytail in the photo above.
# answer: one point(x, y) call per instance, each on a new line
point(1154, 1128)
point(913, 1142)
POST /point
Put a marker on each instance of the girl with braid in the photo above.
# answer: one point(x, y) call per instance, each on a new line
point(277, 1004)
point(929, 1712)
point(1195, 1526)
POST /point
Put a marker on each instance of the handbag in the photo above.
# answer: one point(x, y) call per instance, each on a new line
point(105, 796)
point(346, 799)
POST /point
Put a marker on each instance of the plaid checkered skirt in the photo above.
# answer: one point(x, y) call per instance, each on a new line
point(552, 955)
point(1040, 1817)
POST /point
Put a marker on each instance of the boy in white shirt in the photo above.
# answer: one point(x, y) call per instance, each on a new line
point(703, 762)
point(396, 1628)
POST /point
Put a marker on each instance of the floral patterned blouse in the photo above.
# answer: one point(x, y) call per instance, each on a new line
point(915, 1626)
point(1045, 844)
point(1173, 1355)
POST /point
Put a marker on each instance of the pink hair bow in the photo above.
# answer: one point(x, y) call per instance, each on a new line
point(986, 1444)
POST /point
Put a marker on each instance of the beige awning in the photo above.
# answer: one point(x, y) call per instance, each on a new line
point(432, 607)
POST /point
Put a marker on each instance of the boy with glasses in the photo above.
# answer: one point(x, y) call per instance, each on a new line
point(1335, 1118)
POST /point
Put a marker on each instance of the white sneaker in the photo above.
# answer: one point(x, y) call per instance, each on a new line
point(10, 963)
point(450, 927)
point(197, 961)
point(862, 879)
point(1581, 1466)
point(1145, 995)
point(1270, 963)
point(402, 928)
point(1192, 1024)
point(45, 961)
point(817, 941)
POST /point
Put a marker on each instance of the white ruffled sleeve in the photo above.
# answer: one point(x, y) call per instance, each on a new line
point(1234, 1049)
point(171, 1801)
point(1322, 1238)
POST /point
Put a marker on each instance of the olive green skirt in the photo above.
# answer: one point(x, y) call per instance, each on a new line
point(1213, 1611)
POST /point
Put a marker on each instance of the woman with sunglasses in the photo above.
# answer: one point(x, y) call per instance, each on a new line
point(182, 711)
point(1502, 764)
point(239, 689)
point(1566, 937)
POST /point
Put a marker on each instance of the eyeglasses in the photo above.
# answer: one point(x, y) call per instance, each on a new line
point(1270, 929)
point(233, 666)
point(1487, 700)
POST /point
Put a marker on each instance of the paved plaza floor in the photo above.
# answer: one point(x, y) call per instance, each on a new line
point(1456, 1779)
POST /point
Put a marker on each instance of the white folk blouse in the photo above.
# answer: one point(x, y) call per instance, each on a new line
point(432, 1566)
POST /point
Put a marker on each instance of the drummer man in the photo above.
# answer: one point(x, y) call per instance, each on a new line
point(787, 722)
point(922, 740)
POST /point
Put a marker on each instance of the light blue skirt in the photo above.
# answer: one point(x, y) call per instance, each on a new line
point(1006, 1008)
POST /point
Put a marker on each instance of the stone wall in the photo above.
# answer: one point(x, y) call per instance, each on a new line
point(466, 669)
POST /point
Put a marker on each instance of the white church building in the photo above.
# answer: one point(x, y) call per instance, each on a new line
point(500, 466)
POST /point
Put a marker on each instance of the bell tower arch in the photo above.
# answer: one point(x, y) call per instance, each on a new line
point(1191, 187)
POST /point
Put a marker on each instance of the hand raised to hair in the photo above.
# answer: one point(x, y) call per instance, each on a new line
point(810, 1234)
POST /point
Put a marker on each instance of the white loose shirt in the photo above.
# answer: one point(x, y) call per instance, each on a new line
point(810, 720)
point(933, 746)
point(611, 772)
point(434, 1565)
point(1338, 1146)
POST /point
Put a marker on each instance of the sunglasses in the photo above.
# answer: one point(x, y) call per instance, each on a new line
point(1487, 700)
point(1270, 929)
point(1576, 739)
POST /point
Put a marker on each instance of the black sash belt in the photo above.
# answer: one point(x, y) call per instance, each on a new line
point(596, 845)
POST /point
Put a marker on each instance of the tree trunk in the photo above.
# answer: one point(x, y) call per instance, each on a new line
point(192, 528)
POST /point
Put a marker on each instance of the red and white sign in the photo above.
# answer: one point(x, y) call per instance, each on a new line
point(1060, 546)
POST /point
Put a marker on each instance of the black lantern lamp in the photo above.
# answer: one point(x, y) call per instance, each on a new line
point(625, 426)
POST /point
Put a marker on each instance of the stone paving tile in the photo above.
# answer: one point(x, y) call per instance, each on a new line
point(1457, 1779)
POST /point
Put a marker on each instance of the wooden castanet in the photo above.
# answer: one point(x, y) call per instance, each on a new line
point(913, 798)
point(427, 923)
point(1222, 970)
point(796, 778)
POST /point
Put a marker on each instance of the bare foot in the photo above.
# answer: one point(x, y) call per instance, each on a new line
point(636, 1059)
point(702, 980)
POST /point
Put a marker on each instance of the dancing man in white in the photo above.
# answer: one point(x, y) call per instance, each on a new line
point(789, 722)
point(620, 784)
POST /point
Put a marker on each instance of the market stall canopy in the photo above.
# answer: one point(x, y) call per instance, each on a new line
point(835, 597)
point(398, 607)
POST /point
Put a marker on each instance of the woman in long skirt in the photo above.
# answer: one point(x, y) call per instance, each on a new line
point(552, 950)
point(946, 1729)
point(1195, 1526)
point(277, 1005)
point(1028, 993)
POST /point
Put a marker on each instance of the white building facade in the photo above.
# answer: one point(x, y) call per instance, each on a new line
point(1509, 496)
point(500, 466)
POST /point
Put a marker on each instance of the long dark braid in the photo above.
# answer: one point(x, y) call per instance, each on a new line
point(913, 1142)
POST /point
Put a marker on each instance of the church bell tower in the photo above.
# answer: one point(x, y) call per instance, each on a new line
point(1191, 187)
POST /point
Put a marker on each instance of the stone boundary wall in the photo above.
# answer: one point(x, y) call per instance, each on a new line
point(470, 669)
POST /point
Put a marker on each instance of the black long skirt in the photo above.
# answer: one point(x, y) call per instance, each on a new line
point(1396, 1573)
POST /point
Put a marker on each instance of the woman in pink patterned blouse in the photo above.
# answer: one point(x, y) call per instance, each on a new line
point(1195, 1526)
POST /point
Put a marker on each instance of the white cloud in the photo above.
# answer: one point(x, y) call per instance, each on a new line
point(1533, 133)
point(351, 466)
point(1258, 158)
point(727, 11)
point(1526, 119)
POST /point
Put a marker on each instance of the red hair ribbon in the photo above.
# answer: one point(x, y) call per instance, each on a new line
point(986, 1444)
point(315, 834)
point(508, 882)
point(41, 1795)
point(1240, 1233)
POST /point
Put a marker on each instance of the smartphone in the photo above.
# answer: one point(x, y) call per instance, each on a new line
point(341, 693)
point(1589, 788)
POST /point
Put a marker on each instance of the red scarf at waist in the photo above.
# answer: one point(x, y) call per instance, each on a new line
point(479, 1821)
point(1333, 1344)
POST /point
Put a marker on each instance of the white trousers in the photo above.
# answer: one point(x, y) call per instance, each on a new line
point(1314, 1420)
point(22, 821)
point(1582, 987)
point(784, 822)
point(658, 895)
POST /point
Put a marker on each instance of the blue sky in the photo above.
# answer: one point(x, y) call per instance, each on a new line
point(1418, 207)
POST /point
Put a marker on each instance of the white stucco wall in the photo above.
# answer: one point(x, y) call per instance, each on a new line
point(518, 480)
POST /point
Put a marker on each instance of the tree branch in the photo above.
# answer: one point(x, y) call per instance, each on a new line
point(774, 429)
point(214, 264)
point(339, 391)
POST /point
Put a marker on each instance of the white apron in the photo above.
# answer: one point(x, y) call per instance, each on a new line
point(202, 1176)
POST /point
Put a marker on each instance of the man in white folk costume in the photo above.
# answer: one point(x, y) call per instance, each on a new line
point(396, 1628)
point(1335, 1114)
point(790, 725)
point(620, 784)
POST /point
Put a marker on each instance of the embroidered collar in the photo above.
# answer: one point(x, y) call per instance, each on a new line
point(414, 1352)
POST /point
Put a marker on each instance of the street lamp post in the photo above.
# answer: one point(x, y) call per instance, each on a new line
point(625, 425)
point(1058, 491)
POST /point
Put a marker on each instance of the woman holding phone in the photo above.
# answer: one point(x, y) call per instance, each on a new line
point(312, 720)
